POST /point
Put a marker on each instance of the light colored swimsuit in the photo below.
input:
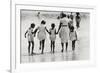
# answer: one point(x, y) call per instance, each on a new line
point(72, 35)
point(64, 31)
point(30, 36)
point(53, 34)
point(42, 33)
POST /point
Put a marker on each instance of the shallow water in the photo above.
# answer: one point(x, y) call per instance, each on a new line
point(81, 49)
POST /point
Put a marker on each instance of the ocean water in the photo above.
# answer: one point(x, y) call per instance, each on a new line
point(82, 45)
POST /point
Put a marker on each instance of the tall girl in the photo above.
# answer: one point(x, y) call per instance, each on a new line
point(41, 35)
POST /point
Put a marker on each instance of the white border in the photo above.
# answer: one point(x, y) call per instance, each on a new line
point(15, 44)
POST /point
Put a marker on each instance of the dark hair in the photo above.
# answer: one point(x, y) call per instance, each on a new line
point(53, 25)
point(71, 12)
point(72, 28)
point(43, 22)
point(77, 13)
point(38, 12)
point(63, 15)
point(32, 25)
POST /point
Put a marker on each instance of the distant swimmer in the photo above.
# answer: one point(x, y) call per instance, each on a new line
point(38, 15)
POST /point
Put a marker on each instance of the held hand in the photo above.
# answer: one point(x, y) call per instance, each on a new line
point(49, 33)
point(32, 32)
point(57, 33)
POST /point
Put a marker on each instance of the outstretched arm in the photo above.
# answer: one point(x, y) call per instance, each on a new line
point(59, 27)
point(26, 33)
point(47, 30)
point(36, 30)
point(56, 32)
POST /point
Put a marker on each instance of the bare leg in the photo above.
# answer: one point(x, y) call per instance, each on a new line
point(32, 47)
point(40, 45)
point(29, 44)
point(43, 42)
point(53, 46)
point(73, 45)
point(66, 46)
point(62, 47)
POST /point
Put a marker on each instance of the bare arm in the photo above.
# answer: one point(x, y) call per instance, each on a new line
point(47, 30)
point(36, 30)
point(69, 25)
point(56, 32)
point(59, 27)
point(26, 33)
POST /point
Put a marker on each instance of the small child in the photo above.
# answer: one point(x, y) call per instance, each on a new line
point(73, 37)
point(52, 33)
point(41, 35)
point(30, 36)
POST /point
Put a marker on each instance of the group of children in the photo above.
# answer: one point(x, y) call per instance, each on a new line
point(66, 31)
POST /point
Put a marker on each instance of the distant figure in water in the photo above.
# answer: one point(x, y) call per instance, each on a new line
point(78, 19)
point(38, 15)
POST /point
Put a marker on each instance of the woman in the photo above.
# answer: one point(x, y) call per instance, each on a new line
point(63, 30)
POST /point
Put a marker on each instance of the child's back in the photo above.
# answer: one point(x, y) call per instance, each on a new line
point(52, 34)
point(42, 32)
point(73, 35)
point(30, 35)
